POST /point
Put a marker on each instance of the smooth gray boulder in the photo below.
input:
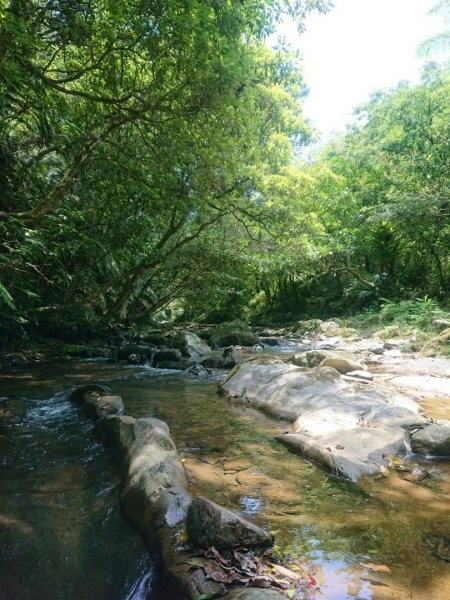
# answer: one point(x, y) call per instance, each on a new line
point(347, 426)
point(103, 405)
point(154, 498)
point(362, 454)
point(209, 524)
point(433, 439)
point(190, 345)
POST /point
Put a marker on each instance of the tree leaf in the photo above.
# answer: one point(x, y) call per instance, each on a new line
point(6, 297)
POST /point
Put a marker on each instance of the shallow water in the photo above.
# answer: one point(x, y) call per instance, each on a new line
point(61, 532)
point(61, 498)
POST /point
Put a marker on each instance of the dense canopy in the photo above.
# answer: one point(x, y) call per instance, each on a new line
point(148, 159)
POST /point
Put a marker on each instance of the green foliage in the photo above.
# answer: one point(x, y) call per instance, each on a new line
point(370, 218)
point(146, 158)
point(420, 312)
point(416, 313)
point(128, 131)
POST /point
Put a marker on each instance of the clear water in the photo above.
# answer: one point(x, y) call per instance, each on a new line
point(62, 535)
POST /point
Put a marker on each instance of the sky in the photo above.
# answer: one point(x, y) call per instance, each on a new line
point(358, 47)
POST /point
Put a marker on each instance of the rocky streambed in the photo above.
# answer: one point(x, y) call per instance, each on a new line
point(356, 541)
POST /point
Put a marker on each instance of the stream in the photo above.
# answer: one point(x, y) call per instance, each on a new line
point(62, 536)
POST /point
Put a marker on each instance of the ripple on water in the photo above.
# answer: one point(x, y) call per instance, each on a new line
point(333, 527)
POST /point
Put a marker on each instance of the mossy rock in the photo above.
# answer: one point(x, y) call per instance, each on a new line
point(305, 327)
point(236, 333)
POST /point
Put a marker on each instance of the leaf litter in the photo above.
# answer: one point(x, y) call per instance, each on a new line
point(248, 569)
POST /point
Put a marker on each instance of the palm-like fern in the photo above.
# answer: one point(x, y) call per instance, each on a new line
point(439, 43)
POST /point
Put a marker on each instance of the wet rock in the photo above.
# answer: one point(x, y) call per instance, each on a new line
point(335, 422)
point(227, 359)
point(103, 405)
point(96, 401)
point(173, 365)
point(416, 475)
point(358, 452)
point(144, 352)
point(199, 370)
point(342, 364)
point(312, 358)
point(190, 345)
point(172, 355)
point(434, 439)
point(13, 409)
point(154, 498)
point(76, 394)
point(379, 350)
point(209, 525)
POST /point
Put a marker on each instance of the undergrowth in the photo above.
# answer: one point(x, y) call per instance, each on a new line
point(421, 318)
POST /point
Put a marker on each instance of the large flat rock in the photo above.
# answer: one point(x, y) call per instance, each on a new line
point(347, 426)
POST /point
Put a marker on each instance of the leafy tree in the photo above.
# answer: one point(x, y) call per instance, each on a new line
point(370, 217)
point(127, 130)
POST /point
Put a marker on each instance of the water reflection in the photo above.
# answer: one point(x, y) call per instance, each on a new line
point(63, 492)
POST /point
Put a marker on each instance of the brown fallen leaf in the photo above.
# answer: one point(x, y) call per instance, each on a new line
point(213, 571)
point(376, 568)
